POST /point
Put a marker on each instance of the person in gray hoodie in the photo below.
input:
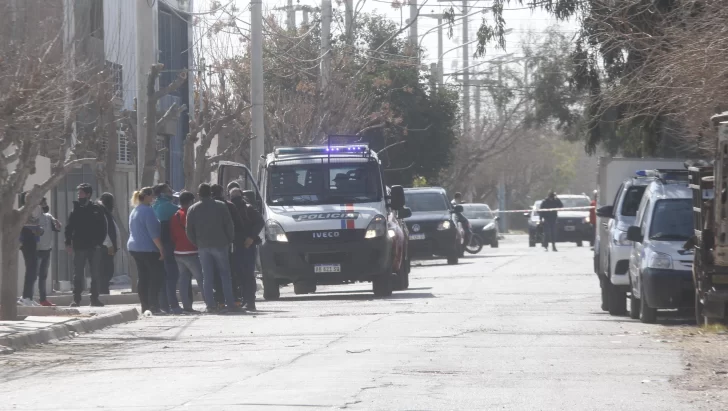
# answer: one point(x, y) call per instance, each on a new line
point(210, 228)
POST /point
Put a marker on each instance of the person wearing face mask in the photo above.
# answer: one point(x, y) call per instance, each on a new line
point(106, 201)
point(85, 236)
point(164, 209)
point(49, 225)
point(146, 248)
point(245, 247)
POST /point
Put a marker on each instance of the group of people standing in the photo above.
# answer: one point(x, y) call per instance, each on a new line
point(91, 237)
point(213, 238)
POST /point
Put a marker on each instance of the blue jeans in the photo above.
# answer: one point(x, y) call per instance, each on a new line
point(171, 275)
point(244, 271)
point(44, 259)
point(216, 260)
point(189, 267)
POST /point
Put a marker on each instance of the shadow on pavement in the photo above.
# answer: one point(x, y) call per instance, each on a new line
point(365, 296)
point(361, 291)
point(666, 318)
point(442, 264)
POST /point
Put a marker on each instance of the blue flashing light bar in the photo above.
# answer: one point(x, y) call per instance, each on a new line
point(663, 174)
point(339, 149)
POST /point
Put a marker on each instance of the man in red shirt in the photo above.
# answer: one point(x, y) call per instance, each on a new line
point(186, 253)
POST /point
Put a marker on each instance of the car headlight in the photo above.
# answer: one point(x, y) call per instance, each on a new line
point(377, 228)
point(620, 238)
point(489, 226)
point(586, 220)
point(274, 232)
point(444, 225)
point(659, 261)
point(391, 233)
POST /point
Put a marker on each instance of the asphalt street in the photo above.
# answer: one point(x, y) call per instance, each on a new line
point(515, 328)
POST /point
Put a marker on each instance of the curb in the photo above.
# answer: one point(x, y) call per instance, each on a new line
point(68, 329)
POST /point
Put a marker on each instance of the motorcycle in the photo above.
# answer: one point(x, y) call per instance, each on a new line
point(475, 245)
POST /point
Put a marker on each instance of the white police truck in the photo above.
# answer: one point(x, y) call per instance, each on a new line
point(328, 217)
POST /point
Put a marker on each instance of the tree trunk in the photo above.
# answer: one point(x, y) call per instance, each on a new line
point(10, 228)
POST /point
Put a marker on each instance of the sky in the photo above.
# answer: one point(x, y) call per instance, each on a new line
point(518, 18)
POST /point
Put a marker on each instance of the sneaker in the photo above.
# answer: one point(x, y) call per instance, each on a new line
point(176, 311)
point(46, 303)
point(26, 302)
point(250, 306)
point(33, 303)
point(190, 311)
point(212, 310)
point(96, 303)
point(19, 302)
point(238, 303)
point(220, 305)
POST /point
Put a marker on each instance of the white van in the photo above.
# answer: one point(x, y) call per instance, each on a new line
point(328, 217)
point(660, 269)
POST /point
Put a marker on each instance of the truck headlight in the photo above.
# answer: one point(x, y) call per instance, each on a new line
point(274, 232)
point(659, 261)
point(377, 228)
point(620, 238)
point(444, 225)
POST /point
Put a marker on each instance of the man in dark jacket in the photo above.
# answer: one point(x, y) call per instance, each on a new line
point(210, 228)
point(245, 247)
point(548, 219)
point(85, 237)
point(106, 202)
point(219, 195)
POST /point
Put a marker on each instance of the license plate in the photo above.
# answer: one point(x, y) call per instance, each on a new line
point(569, 228)
point(417, 237)
point(327, 268)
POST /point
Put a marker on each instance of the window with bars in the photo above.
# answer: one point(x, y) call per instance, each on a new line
point(124, 154)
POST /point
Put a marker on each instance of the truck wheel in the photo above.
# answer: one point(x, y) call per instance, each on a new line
point(605, 296)
point(304, 287)
point(617, 299)
point(648, 315)
point(579, 243)
point(382, 285)
point(494, 244)
point(271, 290)
point(634, 307)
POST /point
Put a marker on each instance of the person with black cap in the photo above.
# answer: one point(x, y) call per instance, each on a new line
point(86, 232)
point(106, 201)
point(548, 218)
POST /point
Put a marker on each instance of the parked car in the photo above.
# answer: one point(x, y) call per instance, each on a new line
point(660, 269)
point(612, 257)
point(433, 226)
point(397, 230)
point(483, 223)
point(534, 229)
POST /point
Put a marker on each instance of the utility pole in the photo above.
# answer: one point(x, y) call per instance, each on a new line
point(349, 21)
point(440, 51)
point(325, 44)
point(413, 27)
point(466, 72)
point(145, 57)
point(433, 79)
point(290, 16)
point(257, 145)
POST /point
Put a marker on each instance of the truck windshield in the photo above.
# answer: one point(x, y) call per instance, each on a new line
point(424, 202)
point(333, 183)
point(672, 220)
point(631, 201)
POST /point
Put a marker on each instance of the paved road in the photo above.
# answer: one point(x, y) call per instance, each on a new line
point(510, 329)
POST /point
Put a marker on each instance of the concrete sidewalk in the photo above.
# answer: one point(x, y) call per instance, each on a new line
point(44, 324)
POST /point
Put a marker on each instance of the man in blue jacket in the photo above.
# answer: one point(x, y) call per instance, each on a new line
point(164, 209)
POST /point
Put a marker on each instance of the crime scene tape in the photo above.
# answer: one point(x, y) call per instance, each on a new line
point(548, 209)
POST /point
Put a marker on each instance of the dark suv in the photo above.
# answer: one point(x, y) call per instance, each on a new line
point(433, 227)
